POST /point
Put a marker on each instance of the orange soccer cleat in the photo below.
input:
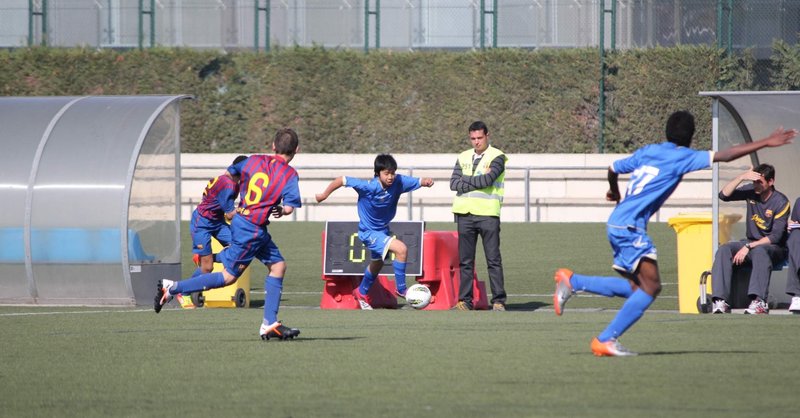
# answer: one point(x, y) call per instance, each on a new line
point(563, 290)
point(610, 348)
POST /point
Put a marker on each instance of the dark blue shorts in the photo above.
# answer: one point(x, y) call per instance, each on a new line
point(248, 241)
point(202, 229)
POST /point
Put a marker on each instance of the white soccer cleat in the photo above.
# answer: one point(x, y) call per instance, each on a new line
point(794, 307)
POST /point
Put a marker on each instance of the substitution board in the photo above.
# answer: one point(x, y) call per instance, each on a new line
point(345, 254)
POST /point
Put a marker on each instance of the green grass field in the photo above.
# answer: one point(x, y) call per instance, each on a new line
point(97, 362)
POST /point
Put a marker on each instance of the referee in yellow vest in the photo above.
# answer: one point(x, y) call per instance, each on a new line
point(478, 182)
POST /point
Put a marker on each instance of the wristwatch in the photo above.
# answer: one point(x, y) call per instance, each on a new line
point(748, 246)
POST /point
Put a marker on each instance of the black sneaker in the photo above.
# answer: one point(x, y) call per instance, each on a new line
point(279, 331)
point(461, 306)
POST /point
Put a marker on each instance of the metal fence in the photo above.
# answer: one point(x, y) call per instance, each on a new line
point(397, 24)
point(546, 193)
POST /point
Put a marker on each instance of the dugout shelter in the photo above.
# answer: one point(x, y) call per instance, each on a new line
point(90, 197)
point(740, 117)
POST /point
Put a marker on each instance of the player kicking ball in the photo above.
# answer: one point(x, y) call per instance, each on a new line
point(656, 170)
point(266, 181)
point(377, 205)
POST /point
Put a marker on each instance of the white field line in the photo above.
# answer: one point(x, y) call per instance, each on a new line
point(121, 310)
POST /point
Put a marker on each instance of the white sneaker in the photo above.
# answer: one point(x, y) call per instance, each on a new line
point(795, 306)
point(720, 307)
point(757, 307)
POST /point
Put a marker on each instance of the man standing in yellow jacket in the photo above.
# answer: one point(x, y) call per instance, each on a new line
point(477, 180)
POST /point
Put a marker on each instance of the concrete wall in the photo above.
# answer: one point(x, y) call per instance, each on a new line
point(561, 187)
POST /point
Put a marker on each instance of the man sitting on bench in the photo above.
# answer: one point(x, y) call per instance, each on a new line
point(793, 243)
point(765, 246)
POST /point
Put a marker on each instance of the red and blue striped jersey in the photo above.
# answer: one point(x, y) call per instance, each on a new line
point(266, 181)
point(218, 198)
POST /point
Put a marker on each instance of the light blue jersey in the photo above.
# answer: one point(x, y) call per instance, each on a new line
point(376, 208)
point(657, 170)
point(376, 205)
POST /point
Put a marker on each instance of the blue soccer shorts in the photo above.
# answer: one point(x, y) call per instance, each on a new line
point(202, 229)
point(249, 241)
point(630, 245)
point(377, 242)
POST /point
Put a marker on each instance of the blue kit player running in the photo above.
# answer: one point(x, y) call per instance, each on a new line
point(656, 170)
point(377, 205)
point(269, 187)
point(211, 217)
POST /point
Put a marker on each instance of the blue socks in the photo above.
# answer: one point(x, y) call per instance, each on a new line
point(273, 287)
point(631, 311)
point(366, 282)
point(606, 286)
point(197, 272)
point(400, 275)
point(198, 283)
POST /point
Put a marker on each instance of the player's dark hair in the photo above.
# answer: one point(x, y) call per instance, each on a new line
point(239, 159)
point(286, 141)
point(478, 126)
point(680, 128)
point(384, 162)
point(766, 170)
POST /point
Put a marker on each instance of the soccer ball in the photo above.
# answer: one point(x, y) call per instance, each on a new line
point(418, 296)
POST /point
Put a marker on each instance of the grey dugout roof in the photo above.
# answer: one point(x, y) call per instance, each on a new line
point(90, 198)
point(739, 117)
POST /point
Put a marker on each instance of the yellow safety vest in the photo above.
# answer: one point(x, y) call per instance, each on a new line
point(486, 201)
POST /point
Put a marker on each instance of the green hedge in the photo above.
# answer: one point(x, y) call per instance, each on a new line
point(345, 101)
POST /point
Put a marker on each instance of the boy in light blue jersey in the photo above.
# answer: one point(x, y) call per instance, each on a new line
point(656, 170)
point(377, 205)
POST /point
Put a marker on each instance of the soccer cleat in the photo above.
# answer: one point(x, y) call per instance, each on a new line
point(499, 307)
point(563, 290)
point(363, 301)
point(757, 307)
point(400, 294)
point(794, 307)
point(162, 294)
point(277, 330)
point(196, 260)
point(720, 307)
point(610, 348)
point(185, 301)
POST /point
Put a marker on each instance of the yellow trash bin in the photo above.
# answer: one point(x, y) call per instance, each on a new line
point(236, 295)
point(695, 252)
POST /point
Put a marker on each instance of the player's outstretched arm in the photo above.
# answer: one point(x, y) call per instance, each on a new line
point(777, 138)
point(426, 182)
point(335, 184)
